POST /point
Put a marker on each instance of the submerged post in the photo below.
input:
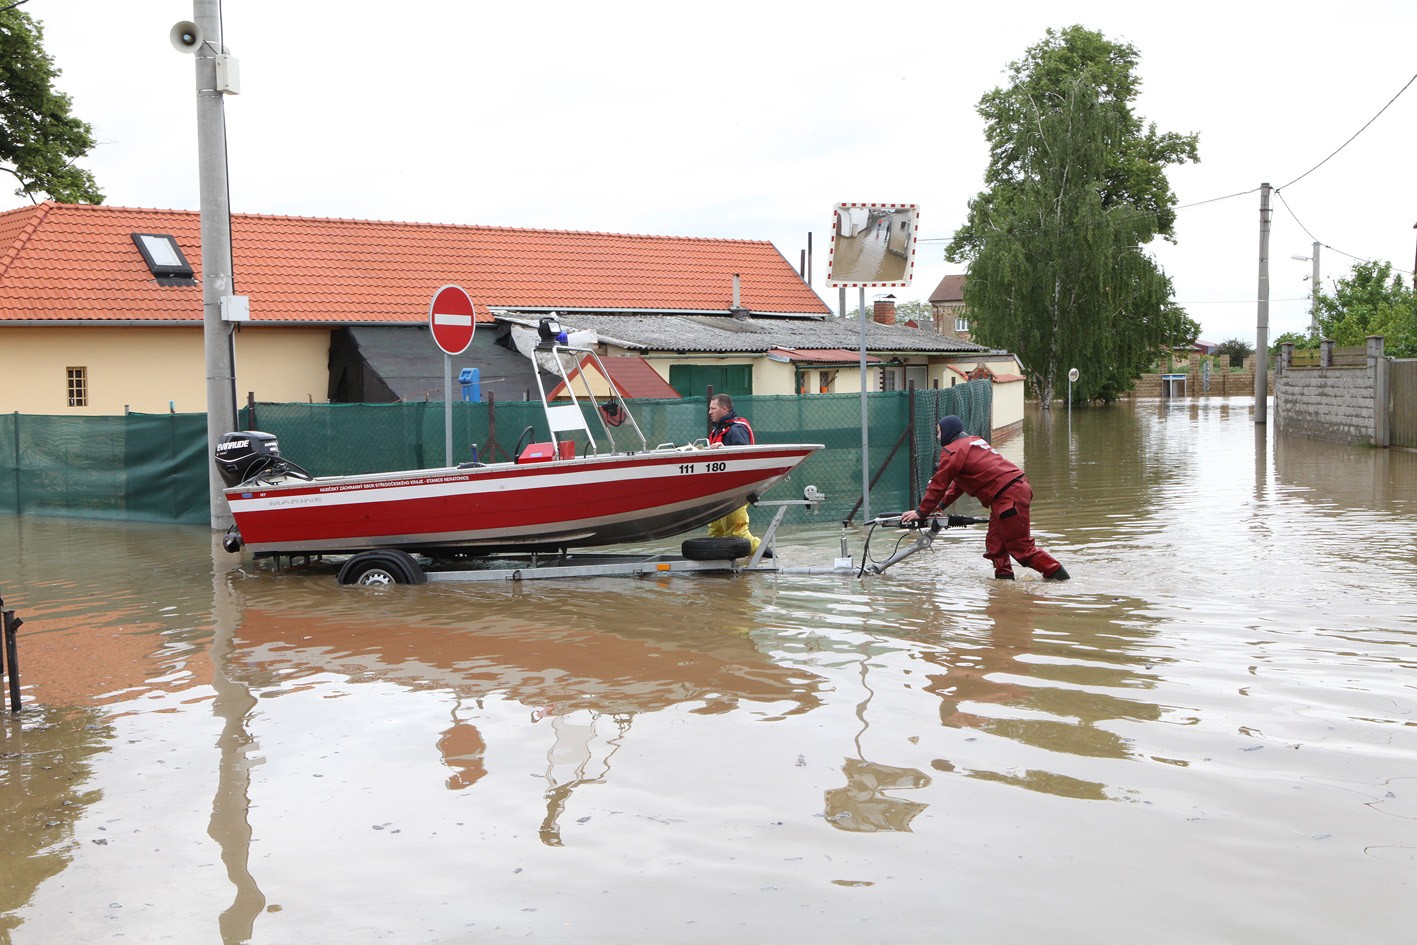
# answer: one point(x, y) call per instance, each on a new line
point(12, 657)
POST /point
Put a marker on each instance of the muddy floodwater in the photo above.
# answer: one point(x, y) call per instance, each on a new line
point(1209, 735)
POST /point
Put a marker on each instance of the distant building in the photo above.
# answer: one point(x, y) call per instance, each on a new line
point(948, 303)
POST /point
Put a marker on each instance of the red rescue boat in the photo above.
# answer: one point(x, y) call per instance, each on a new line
point(548, 498)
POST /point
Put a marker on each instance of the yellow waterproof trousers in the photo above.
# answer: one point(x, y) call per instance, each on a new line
point(734, 525)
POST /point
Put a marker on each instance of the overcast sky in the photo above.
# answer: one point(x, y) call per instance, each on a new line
point(751, 120)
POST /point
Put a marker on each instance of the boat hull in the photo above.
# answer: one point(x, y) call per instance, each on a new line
point(565, 503)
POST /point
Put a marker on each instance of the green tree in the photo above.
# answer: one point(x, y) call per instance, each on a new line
point(1236, 349)
point(39, 138)
point(1302, 341)
point(922, 312)
point(1371, 300)
point(1076, 187)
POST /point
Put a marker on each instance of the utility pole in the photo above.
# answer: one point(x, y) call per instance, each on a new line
point(215, 77)
point(1314, 294)
point(1262, 315)
point(1314, 305)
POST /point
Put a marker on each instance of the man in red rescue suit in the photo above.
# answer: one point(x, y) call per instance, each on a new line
point(970, 466)
point(729, 429)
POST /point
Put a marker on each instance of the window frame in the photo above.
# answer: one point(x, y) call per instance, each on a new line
point(77, 385)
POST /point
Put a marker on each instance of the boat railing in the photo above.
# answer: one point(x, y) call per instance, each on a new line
point(570, 418)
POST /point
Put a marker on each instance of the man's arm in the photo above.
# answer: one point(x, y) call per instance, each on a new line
point(942, 489)
point(735, 435)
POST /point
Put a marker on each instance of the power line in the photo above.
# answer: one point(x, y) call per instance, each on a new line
point(1314, 238)
point(1311, 236)
point(1235, 301)
point(1350, 140)
point(1217, 199)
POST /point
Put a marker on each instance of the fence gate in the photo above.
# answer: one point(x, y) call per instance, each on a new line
point(1402, 403)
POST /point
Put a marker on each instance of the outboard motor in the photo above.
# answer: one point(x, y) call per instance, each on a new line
point(242, 456)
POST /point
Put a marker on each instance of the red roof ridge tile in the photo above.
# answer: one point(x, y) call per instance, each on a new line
point(421, 223)
point(41, 210)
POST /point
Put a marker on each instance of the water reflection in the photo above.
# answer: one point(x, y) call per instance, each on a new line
point(1040, 677)
point(582, 681)
point(579, 754)
point(543, 649)
point(45, 764)
point(463, 750)
point(862, 805)
point(1334, 475)
point(233, 704)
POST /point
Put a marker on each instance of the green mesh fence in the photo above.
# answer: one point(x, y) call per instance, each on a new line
point(143, 467)
point(153, 467)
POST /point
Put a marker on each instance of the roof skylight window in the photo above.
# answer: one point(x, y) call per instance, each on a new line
point(164, 258)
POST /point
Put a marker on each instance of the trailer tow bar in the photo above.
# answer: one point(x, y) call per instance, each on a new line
point(925, 534)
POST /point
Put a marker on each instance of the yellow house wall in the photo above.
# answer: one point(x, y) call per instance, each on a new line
point(152, 370)
point(774, 377)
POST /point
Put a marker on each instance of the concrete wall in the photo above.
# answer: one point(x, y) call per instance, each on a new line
point(1224, 382)
point(151, 370)
point(1344, 404)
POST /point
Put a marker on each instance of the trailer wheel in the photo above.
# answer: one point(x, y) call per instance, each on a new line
point(716, 549)
point(382, 567)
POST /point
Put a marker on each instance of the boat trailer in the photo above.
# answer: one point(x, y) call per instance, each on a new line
point(382, 566)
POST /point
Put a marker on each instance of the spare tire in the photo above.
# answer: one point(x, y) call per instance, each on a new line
point(716, 549)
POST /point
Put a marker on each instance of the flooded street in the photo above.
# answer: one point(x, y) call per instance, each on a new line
point(1208, 735)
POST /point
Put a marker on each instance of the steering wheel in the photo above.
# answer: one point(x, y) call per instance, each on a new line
point(525, 439)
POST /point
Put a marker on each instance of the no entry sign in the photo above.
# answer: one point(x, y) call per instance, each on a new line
point(450, 317)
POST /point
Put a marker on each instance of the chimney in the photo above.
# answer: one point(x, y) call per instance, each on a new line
point(884, 311)
point(738, 311)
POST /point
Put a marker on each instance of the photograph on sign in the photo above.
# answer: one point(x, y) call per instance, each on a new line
point(873, 244)
point(450, 317)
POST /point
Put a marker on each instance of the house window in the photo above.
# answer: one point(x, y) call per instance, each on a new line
point(164, 258)
point(78, 386)
point(891, 378)
point(961, 324)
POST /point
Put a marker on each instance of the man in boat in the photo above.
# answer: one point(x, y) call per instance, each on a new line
point(729, 429)
point(970, 466)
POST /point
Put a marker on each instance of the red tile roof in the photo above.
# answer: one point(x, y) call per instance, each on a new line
point(823, 355)
point(65, 262)
point(950, 289)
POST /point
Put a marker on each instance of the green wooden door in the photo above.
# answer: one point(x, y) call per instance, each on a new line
point(694, 380)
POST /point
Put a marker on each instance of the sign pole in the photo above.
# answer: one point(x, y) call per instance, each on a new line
point(450, 317)
point(865, 433)
point(447, 409)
